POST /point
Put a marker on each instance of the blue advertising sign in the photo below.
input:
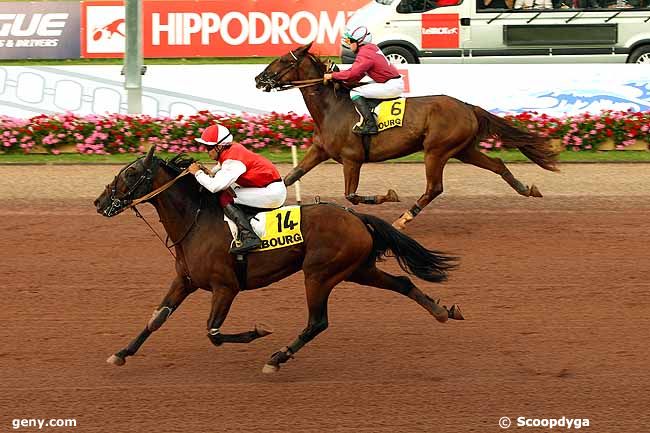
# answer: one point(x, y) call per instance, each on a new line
point(40, 30)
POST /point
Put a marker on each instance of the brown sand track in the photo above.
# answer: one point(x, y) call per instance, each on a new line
point(556, 292)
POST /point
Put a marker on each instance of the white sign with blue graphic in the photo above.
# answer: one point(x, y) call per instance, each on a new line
point(179, 89)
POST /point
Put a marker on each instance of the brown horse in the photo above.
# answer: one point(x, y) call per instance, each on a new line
point(442, 126)
point(339, 245)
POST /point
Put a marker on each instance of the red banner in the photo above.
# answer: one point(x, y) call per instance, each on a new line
point(440, 31)
point(218, 28)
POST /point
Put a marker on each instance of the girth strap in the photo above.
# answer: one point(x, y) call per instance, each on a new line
point(241, 270)
point(365, 138)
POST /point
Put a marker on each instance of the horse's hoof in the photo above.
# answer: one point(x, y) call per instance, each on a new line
point(116, 360)
point(534, 191)
point(442, 317)
point(399, 224)
point(262, 329)
point(391, 196)
point(270, 369)
point(455, 313)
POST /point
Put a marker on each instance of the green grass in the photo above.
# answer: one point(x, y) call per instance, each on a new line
point(285, 157)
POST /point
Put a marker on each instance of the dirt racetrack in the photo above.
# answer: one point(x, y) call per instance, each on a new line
point(556, 292)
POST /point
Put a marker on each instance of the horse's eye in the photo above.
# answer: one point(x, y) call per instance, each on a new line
point(130, 173)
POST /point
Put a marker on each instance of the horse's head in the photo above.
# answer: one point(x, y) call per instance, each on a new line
point(281, 72)
point(132, 182)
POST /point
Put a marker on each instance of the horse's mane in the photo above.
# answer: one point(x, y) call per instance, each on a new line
point(179, 162)
point(340, 90)
point(175, 166)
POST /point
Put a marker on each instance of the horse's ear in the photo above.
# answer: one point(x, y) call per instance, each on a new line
point(149, 158)
point(305, 48)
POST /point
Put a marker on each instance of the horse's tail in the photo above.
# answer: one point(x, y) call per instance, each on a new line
point(536, 148)
point(412, 257)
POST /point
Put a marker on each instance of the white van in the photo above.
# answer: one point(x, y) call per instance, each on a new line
point(507, 31)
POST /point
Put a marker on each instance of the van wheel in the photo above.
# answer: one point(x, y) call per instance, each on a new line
point(640, 55)
point(398, 55)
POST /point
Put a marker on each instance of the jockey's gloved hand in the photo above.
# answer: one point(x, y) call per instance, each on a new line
point(205, 169)
point(194, 168)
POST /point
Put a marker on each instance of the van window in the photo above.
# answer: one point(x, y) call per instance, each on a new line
point(590, 5)
point(494, 4)
point(419, 6)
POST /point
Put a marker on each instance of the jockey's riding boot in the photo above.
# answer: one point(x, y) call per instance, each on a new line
point(249, 240)
point(369, 126)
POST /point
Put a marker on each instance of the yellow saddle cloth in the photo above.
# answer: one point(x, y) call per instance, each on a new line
point(390, 113)
point(277, 228)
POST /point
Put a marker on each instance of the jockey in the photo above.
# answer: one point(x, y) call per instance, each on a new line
point(255, 181)
point(386, 81)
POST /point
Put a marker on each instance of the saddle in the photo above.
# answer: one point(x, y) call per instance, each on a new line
point(373, 103)
point(251, 211)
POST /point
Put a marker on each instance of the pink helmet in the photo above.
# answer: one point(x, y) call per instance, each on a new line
point(215, 135)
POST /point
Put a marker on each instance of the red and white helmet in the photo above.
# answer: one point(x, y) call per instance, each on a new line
point(215, 135)
point(360, 35)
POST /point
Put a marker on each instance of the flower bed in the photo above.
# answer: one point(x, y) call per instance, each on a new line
point(119, 133)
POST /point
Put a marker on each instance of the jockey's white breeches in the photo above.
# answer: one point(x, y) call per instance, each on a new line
point(269, 197)
point(390, 89)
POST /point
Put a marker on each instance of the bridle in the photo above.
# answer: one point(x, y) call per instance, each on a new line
point(120, 204)
point(272, 81)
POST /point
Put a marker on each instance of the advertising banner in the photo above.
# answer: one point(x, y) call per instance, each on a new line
point(171, 90)
point(440, 31)
point(218, 28)
point(42, 30)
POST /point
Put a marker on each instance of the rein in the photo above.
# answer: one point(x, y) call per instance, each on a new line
point(156, 191)
point(303, 83)
point(298, 83)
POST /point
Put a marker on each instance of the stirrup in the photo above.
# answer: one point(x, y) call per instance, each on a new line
point(363, 130)
point(238, 247)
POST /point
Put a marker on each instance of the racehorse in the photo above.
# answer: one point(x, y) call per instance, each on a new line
point(441, 126)
point(339, 245)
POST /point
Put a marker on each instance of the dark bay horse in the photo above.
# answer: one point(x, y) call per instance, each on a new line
point(339, 245)
point(441, 126)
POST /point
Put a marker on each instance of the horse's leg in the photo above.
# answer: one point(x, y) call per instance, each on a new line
point(403, 285)
point(473, 156)
point(175, 296)
point(312, 158)
point(434, 165)
point(351, 171)
point(222, 298)
point(317, 295)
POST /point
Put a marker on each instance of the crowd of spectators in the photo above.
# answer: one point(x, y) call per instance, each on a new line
point(415, 6)
point(562, 4)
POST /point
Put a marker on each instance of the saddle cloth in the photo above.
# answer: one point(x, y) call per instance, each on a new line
point(388, 113)
point(277, 228)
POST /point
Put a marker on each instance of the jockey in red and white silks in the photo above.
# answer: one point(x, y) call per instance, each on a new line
point(240, 177)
